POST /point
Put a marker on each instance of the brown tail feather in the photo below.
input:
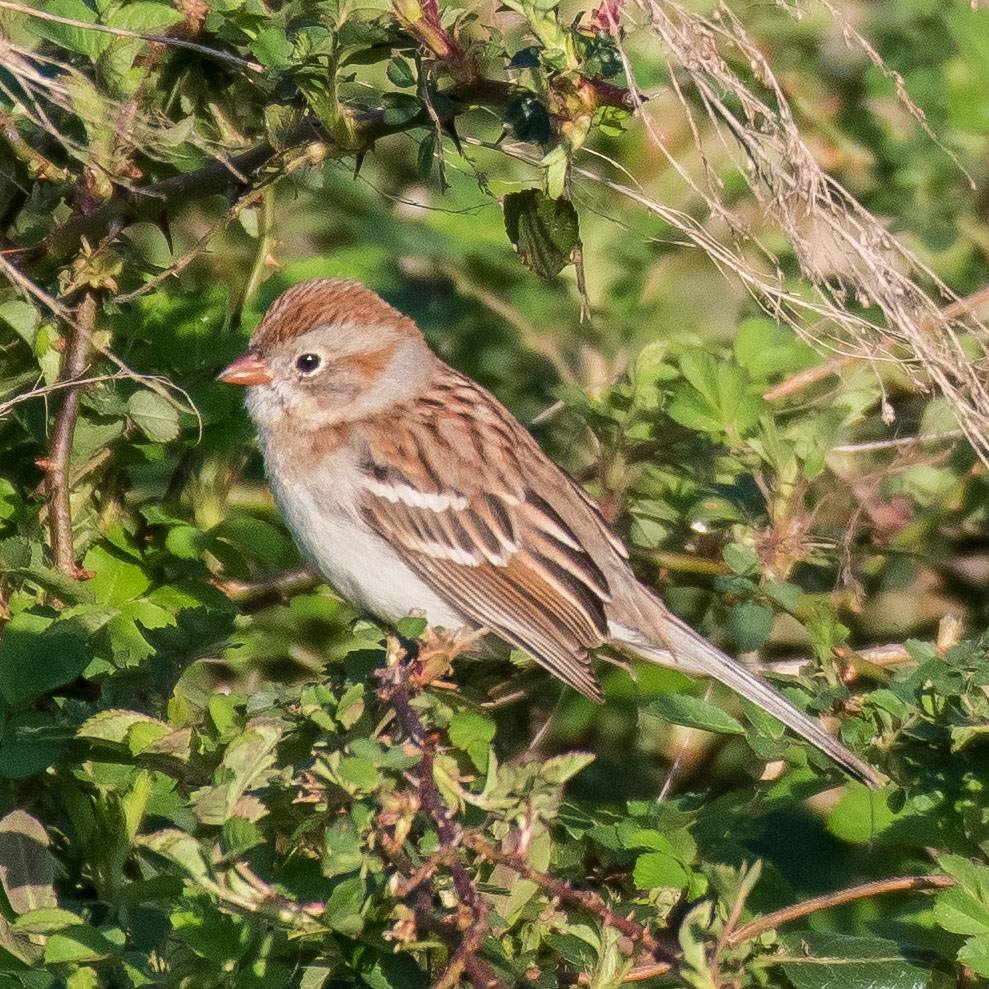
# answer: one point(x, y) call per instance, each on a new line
point(680, 646)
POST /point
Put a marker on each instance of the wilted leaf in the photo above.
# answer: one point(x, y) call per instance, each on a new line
point(544, 231)
point(27, 869)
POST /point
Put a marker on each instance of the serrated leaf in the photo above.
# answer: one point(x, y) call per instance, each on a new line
point(178, 847)
point(154, 415)
point(544, 231)
point(974, 953)
point(961, 913)
point(835, 961)
point(693, 712)
point(344, 906)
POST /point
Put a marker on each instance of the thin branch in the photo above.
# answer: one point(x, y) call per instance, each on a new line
point(130, 205)
point(900, 884)
point(872, 446)
point(57, 481)
point(120, 32)
point(279, 585)
point(969, 305)
point(43, 390)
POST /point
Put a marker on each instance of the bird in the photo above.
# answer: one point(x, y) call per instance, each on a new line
point(413, 490)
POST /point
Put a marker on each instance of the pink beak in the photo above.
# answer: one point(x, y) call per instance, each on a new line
point(248, 369)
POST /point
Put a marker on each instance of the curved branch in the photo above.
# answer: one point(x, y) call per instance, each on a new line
point(899, 884)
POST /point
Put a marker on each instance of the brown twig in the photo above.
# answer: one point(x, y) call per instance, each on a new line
point(899, 884)
point(256, 593)
point(57, 480)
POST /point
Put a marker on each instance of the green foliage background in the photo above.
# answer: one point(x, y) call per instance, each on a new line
point(199, 784)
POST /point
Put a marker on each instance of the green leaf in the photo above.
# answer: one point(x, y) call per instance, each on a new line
point(683, 709)
point(344, 907)
point(717, 398)
point(77, 39)
point(144, 17)
point(400, 73)
point(37, 655)
point(972, 877)
point(659, 869)
point(562, 768)
point(472, 733)
point(960, 912)
point(21, 317)
point(543, 231)
point(411, 628)
point(399, 109)
point(834, 961)
point(974, 953)
point(766, 349)
point(751, 625)
point(116, 578)
point(154, 415)
point(27, 869)
point(46, 920)
point(741, 559)
point(341, 848)
point(77, 944)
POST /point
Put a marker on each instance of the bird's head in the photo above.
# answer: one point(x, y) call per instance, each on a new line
point(328, 351)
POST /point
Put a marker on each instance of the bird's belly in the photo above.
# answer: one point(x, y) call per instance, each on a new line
point(359, 564)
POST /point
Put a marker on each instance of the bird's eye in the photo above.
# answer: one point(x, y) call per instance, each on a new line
point(308, 363)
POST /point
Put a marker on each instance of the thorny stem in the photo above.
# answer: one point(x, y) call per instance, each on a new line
point(464, 961)
point(129, 205)
point(564, 891)
point(57, 481)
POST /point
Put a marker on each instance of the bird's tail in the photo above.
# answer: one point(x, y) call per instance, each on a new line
point(684, 648)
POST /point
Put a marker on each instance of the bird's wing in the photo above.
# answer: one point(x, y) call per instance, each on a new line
point(459, 489)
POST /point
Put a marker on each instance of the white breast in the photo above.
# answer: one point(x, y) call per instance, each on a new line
point(353, 558)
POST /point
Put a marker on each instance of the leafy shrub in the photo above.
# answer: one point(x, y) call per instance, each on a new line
point(214, 773)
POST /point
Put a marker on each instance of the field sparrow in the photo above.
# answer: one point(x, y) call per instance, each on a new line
point(411, 488)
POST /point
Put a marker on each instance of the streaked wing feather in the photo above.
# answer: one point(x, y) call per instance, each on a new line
point(446, 486)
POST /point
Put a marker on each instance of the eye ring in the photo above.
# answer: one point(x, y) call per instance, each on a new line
point(308, 363)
